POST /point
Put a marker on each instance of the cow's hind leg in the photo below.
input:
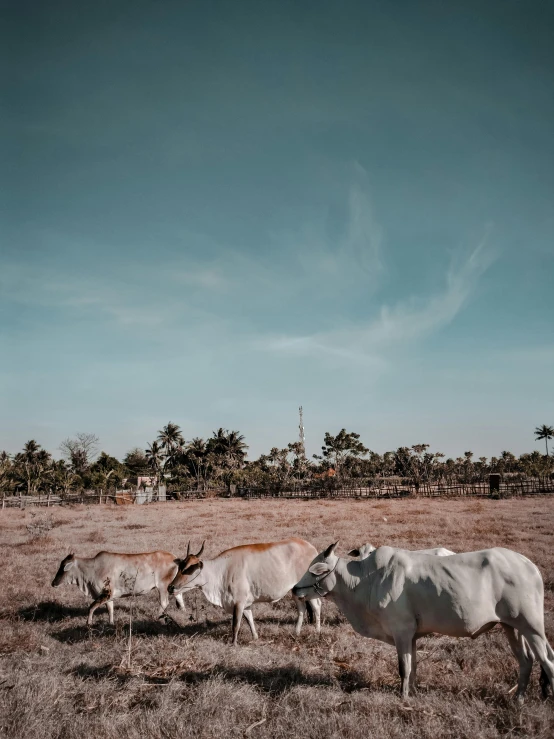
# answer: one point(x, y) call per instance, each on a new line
point(109, 606)
point(238, 610)
point(543, 682)
point(180, 602)
point(248, 615)
point(524, 657)
point(545, 655)
point(403, 644)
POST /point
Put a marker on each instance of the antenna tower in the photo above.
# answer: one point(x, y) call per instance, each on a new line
point(301, 435)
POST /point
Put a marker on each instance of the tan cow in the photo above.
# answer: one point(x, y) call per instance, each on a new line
point(109, 576)
point(253, 573)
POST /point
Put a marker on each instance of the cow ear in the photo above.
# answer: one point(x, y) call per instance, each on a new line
point(68, 566)
point(200, 565)
point(320, 568)
point(330, 549)
point(354, 553)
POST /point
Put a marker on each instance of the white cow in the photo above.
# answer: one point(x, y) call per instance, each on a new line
point(248, 574)
point(397, 596)
point(110, 575)
point(366, 549)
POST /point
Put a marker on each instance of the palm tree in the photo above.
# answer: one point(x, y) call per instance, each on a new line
point(171, 438)
point(155, 458)
point(236, 448)
point(546, 433)
point(5, 469)
point(31, 465)
point(196, 457)
point(229, 445)
point(228, 450)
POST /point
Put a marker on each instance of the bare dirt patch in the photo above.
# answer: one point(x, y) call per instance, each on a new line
point(58, 678)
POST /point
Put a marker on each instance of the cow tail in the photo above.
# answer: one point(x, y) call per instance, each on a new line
point(310, 612)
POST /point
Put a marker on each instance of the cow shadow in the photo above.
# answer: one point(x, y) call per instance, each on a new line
point(101, 629)
point(275, 680)
point(90, 672)
point(107, 672)
point(51, 611)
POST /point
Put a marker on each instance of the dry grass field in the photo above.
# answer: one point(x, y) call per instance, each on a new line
point(60, 679)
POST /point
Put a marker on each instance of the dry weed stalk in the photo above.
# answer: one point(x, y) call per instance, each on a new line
point(129, 582)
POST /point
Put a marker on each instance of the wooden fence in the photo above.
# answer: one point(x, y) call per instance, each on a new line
point(512, 488)
point(99, 497)
point(379, 489)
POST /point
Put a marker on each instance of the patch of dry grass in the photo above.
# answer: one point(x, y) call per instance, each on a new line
point(58, 678)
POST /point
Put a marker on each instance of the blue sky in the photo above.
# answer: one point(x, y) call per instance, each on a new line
point(214, 212)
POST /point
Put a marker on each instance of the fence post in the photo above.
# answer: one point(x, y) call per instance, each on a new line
point(494, 483)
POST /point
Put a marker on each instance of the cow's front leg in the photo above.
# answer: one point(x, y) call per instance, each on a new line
point(413, 672)
point(316, 607)
point(301, 607)
point(104, 597)
point(109, 605)
point(238, 610)
point(404, 651)
point(164, 601)
point(249, 616)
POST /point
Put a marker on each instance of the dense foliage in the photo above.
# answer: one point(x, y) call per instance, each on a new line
point(220, 462)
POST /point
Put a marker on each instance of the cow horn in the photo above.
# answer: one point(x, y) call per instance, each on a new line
point(330, 549)
point(201, 548)
point(188, 548)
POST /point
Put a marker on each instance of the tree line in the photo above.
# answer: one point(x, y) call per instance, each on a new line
point(221, 461)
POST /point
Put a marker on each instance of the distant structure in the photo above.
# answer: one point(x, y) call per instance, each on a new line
point(301, 436)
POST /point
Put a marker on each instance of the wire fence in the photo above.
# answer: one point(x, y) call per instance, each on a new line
point(311, 490)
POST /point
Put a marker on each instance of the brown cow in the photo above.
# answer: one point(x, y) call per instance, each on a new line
point(109, 576)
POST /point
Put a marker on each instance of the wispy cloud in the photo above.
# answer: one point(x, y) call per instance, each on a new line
point(205, 278)
point(145, 297)
point(338, 252)
point(394, 325)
